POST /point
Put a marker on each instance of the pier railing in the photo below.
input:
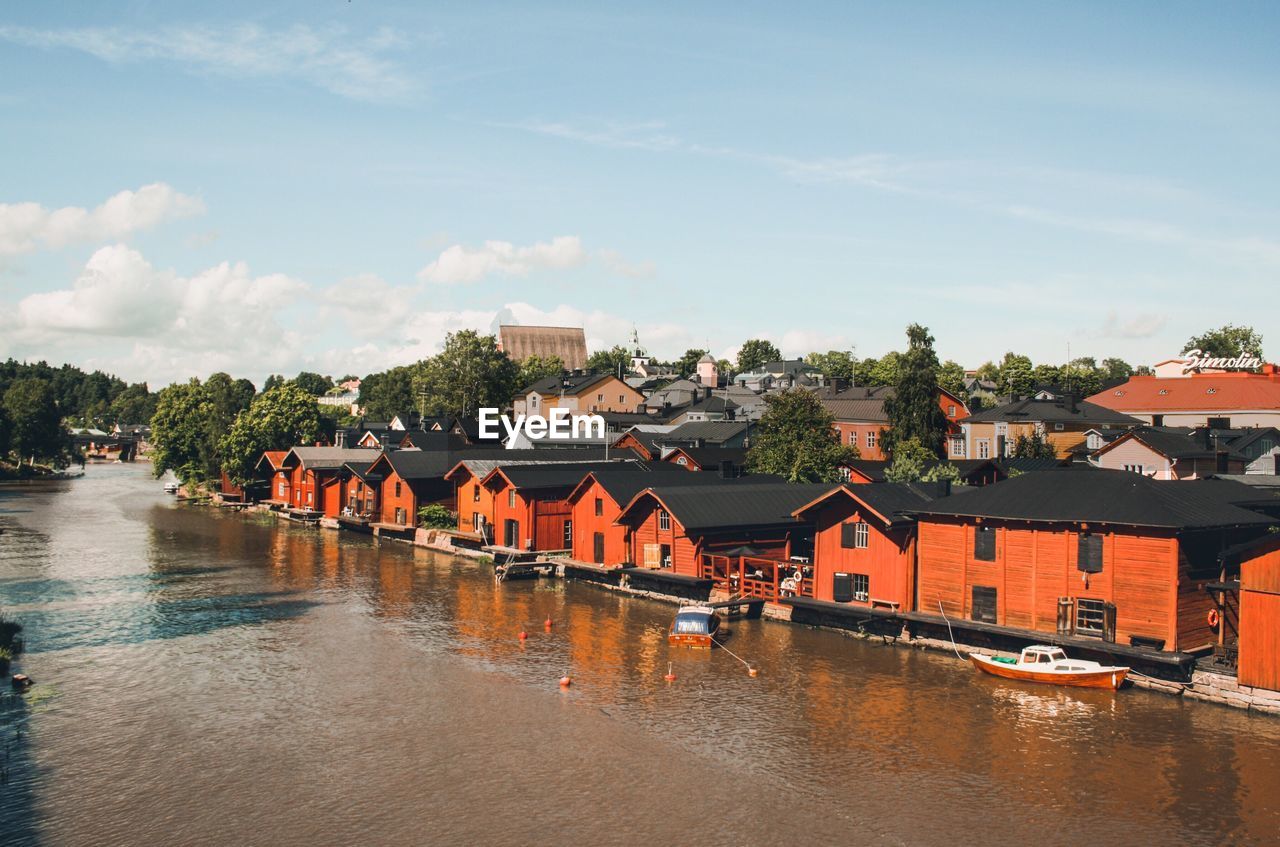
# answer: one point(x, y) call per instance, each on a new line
point(753, 576)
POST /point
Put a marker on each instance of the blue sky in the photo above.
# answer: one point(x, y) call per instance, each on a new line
point(336, 186)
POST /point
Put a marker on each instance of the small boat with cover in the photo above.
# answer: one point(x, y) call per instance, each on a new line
point(1046, 664)
point(695, 626)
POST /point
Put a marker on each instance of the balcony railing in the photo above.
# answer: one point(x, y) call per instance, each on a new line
point(756, 577)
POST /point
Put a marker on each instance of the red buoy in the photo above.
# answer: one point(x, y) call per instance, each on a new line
point(565, 682)
point(670, 677)
point(548, 623)
point(752, 672)
point(523, 635)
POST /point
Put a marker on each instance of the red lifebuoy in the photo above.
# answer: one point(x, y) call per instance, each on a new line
point(1213, 619)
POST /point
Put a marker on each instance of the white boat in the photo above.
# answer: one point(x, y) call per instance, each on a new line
point(171, 488)
point(1042, 663)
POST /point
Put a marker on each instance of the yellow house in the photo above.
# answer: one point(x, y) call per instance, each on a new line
point(1061, 422)
point(577, 392)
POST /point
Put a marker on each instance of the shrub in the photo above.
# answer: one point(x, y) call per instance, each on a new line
point(436, 516)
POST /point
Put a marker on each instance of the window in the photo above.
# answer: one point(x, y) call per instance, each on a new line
point(599, 506)
point(568, 535)
point(1090, 616)
point(511, 498)
point(984, 544)
point(853, 438)
point(1136, 469)
point(599, 398)
point(533, 401)
point(845, 474)
point(682, 461)
point(951, 411)
point(871, 439)
point(1059, 427)
point(475, 493)
point(861, 587)
point(664, 520)
point(397, 489)
point(477, 522)
point(984, 448)
point(622, 398)
point(983, 605)
point(281, 489)
point(854, 535)
point(1089, 553)
point(957, 446)
point(1157, 420)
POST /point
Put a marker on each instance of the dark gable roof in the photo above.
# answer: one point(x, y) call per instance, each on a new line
point(714, 403)
point(559, 475)
point(716, 432)
point(1054, 411)
point(420, 464)
point(1106, 497)
point(859, 403)
point(1170, 443)
point(572, 384)
point(711, 457)
point(626, 481)
point(327, 458)
point(1244, 439)
point(747, 503)
point(892, 501)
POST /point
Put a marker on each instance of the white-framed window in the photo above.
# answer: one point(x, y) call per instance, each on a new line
point(1136, 469)
point(853, 438)
point(533, 401)
point(664, 520)
point(511, 498)
point(622, 398)
point(957, 446)
point(871, 439)
point(599, 398)
point(983, 447)
point(861, 587)
point(861, 535)
point(681, 460)
point(1059, 427)
point(951, 411)
point(281, 488)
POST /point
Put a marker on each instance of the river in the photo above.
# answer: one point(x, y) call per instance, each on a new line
point(204, 677)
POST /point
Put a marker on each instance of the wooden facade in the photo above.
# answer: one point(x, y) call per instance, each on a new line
point(860, 556)
point(597, 537)
point(1134, 585)
point(1259, 624)
point(529, 519)
point(473, 501)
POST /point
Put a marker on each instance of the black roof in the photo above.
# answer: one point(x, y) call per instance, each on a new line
point(894, 501)
point(1173, 444)
point(711, 457)
point(559, 475)
point(1054, 411)
point(570, 383)
point(1107, 497)
point(748, 503)
point(627, 480)
point(708, 432)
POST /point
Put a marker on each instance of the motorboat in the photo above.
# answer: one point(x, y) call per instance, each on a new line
point(695, 626)
point(171, 488)
point(1050, 665)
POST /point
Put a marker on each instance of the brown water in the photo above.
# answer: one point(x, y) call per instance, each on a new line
point(211, 678)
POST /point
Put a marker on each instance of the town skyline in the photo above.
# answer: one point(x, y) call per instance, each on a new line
point(334, 190)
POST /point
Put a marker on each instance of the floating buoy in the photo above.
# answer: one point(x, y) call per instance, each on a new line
point(21, 680)
point(670, 677)
point(548, 623)
point(565, 682)
point(523, 635)
point(752, 672)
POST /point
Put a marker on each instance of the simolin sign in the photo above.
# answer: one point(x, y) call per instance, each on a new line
point(1196, 361)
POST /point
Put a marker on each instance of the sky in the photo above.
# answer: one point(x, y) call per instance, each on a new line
point(335, 186)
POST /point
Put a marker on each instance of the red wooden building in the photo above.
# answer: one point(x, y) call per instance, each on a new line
point(1087, 555)
point(597, 501)
point(1258, 630)
point(740, 536)
point(530, 504)
point(311, 470)
point(864, 550)
point(707, 458)
point(271, 468)
point(860, 417)
point(407, 481)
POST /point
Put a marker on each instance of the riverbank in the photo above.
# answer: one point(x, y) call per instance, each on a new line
point(1179, 676)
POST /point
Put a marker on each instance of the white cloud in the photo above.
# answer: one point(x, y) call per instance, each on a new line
point(329, 59)
point(25, 227)
point(461, 264)
point(458, 264)
point(1140, 326)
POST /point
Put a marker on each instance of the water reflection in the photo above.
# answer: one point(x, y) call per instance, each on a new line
point(304, 686)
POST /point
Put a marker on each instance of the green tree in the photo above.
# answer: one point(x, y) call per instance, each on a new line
point(535, 368)
point(796, 439)
point(278, 419)
point(1226, 342)
point(910, 459)
point(883, 371)
point(942, 471)
point(469, 373)
point(951, 378)
point(756, 352)
point(1083, 376)
point(35, 423)
point(1032, 447)
point(227, 397)
point(1016, 374)
point(1116, 369)
point(834, 364)
point(387, 394)
point(616, 360)
point(989, 371)
point(687, 365)
point(273, 381)
point(435, 516)
point(313, 383)
point(913, 410)
point(178, 431)
point(1045, 375)
point(135, 405)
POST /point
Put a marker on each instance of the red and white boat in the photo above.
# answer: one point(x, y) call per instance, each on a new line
point(1041, 663)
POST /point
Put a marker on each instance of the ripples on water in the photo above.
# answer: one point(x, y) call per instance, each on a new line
point(209, 678)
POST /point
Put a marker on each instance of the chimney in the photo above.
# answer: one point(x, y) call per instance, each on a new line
point(1206, 435)
point(1276, 459)
point(1221, 466)
point(726, 469)
point(384, 441)
point(1072, 403)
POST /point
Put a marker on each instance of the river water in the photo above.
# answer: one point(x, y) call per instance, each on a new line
point(208, 678)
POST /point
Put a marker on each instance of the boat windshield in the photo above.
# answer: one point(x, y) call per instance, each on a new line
point(1058, 656)
point(692, 623)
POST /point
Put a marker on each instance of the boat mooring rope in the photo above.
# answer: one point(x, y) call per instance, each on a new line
point(720, 644)
point(949, 632)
